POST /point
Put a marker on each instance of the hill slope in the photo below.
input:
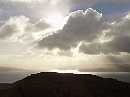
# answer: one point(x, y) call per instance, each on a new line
point(68, 85)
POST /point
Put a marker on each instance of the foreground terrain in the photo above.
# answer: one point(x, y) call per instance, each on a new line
point(49, 84)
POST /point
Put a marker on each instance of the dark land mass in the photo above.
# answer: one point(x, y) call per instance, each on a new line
point(50, 84)
point(4, 88)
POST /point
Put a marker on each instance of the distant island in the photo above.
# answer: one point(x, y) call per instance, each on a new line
point(52, 84)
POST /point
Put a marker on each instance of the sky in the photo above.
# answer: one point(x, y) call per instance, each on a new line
point(48, 35)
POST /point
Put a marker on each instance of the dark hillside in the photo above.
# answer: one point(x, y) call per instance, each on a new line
point(68, 85)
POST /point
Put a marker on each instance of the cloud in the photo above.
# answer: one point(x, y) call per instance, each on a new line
point(119, 44)
point(35, 9)
point(18, 33)
point(116, 46)
point(117, 36)
point(21, 27)
point(95, 34)
point(81, 26)
point(85, 39)
point(120, 32)
point(13, 25)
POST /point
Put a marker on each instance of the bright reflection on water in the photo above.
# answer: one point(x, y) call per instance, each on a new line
point(14, 76)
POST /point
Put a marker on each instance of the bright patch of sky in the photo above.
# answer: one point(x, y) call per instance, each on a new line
point(111, 8)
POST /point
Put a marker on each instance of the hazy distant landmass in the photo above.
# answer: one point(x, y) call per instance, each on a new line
point(51, 84)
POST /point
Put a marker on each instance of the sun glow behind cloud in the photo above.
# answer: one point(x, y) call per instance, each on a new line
point(55, 19)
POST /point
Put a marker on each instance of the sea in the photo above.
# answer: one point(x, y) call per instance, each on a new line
point(121, 76)
point(15, 76)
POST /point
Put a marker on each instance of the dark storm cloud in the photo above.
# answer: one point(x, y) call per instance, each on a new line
point(117, 45)
point(81, 26)
point(93, 48)
point(88, 27)
point(119, 42)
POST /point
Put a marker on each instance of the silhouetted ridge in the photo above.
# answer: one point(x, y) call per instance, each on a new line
point(50, 84)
